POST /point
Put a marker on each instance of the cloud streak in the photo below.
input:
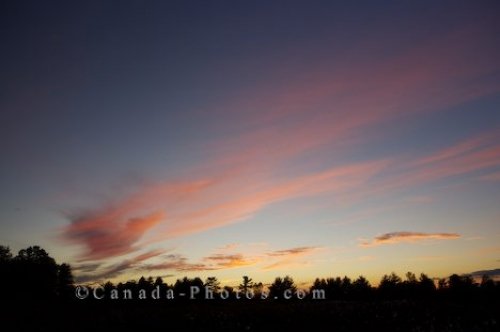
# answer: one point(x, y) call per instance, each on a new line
point(109, 234)
point(323, 111)
point(293, 252)
point(194, 208)
point(95, 272)
point(289, 257)
point(408, 237)
point(178, 263)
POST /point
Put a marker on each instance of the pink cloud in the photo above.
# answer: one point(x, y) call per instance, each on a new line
point(476, 154)
point(225, 207)
point(201, 205)
point(495, 176)
point(330, 104)
point(106, 235)
point(326, 108)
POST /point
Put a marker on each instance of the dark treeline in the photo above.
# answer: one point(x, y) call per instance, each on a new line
point(413, 303)
point(33, 274)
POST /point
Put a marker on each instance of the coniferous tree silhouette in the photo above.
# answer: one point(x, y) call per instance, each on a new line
point(280, 285)
point(361, 288)
point(5, 254)
point(246, 285)
point(389, 287)
point(33, 274)
point(213, 284)
point(426, 286)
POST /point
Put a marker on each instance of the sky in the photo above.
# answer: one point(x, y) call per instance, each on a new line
point(259, 138)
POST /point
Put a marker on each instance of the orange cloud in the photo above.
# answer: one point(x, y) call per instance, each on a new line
point(209, 263)
point(229, 261)
point(176, 262)
point(97, 272)
point(285, 257)
point(411, 237)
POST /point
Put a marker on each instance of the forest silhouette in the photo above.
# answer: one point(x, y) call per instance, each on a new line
point(32, 273)
point(456, 303)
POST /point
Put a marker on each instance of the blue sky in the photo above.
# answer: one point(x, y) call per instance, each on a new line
point(231, 138)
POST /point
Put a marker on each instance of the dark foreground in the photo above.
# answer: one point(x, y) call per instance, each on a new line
point(254, 316)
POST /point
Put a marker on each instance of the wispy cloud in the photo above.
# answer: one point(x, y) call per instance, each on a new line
point(229, 246)
point(475, 154)
point(86, 268)
point(229, 261)
point(289, 257)
point(197, 206)
point(292, 252)
point(95, 272)
point(179, 263)
point(175, 262)
point(408, 237)
point(110, 234)
point(331, 111)
point(495, 176)
point(115, 229)
point(285, 264)
point(494, 273)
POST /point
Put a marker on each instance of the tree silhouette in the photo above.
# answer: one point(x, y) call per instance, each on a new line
point(487, 283)
point(361, 288)
point(65, 281)
point(389, 286)
point(5, 254)
point(426, 286)
point(36, 273)
point(246, 285)
point(346, 287)
point(213, 284)
point(258, 289)
point(161, 285)
point(159, 282)
point(182, 288)
point(33, 274)
point(460, 286)
point(280, 286)
point(7, 277)
point(145, 284)
point(108, 287)
point(229, 292)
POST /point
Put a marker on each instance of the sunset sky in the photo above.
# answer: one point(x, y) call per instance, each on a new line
point(259, 138)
